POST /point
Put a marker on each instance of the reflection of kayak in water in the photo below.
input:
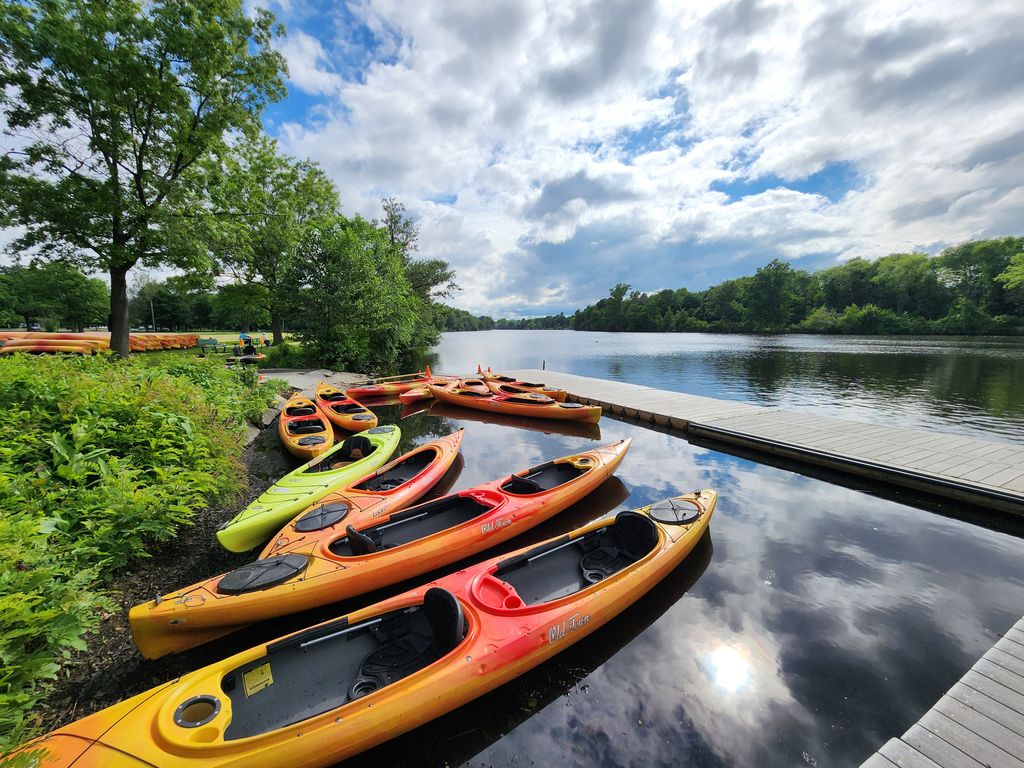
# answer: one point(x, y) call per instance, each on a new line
point(370, 675)
point(548, 426)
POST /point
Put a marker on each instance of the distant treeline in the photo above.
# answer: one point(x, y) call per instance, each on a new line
point(452, 319)
point(976, 287)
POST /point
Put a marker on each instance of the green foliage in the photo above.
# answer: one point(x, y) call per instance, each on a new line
point(99, 458)
point(358, 309)
point(974, 287)
point(52, 293)
point(115, 104)
point(263, 205)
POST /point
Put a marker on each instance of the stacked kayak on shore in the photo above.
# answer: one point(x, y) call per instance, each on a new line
point(325, 693)
point(90, 342)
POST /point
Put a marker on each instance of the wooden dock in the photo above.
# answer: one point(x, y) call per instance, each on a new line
point(981, 472)
point(979, 723)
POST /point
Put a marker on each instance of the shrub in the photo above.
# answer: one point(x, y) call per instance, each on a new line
point(99, 458)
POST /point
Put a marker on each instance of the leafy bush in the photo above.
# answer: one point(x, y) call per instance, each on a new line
point(288, 355)
point(99, 458)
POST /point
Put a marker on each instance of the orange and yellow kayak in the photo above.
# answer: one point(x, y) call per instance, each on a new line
point(531, 404)
point(215, 607)
point(333, 552)
point(304, 429)
point(342, 410)
point(326, 693)
point(531, 386)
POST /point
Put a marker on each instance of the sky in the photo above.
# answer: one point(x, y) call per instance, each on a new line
point(549, 150)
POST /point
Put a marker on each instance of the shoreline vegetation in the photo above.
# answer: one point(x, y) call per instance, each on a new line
point(974, 288)
point(103, 462)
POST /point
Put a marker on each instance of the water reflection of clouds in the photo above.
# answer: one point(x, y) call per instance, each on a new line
point(826, 623)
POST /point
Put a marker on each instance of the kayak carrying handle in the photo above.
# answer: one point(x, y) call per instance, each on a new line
point(339, 633)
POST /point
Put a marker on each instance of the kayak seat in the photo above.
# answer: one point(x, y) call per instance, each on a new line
point(405, 648)
point(360, 543)
point(410, 525)
point(400, 473)
point(300, 410)
point(348, 408)
point(334, 396)
point(444, 612)
point(633, 536)
point(555, 570)
point(305, 427)
point(543, 477)
point(355, 447)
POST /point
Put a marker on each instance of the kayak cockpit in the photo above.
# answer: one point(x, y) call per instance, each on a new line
point(349, 407)
point(401, 473)
point(545, 477)
point(567, 565)
point(331, 665)
point(414, 523)
point(354, 448)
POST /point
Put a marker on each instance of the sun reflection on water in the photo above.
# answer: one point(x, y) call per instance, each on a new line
point(729, 668)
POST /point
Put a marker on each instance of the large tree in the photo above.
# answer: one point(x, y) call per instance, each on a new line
point(112, 105)
point(263, 204)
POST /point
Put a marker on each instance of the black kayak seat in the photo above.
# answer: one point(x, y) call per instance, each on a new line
point(446, 619)
point(348, 408)
point(305, 427)
point(355, 447)
point(360, 543)
point(334, 396)
point(300, 410)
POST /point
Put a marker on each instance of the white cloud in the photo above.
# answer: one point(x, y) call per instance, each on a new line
point(306, 58)
point(581, 134)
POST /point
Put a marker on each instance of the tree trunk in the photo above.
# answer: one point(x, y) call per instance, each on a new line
point(119, 311)
point(277, 326)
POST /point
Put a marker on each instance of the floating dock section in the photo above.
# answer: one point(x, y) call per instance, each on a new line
point(979, 723)
point(981, 472)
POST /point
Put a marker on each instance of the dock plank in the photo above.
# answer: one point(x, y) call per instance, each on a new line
point(938, 749)
point(902, 754)
point(981, 725)
point(1005, 716)
point(967, 741)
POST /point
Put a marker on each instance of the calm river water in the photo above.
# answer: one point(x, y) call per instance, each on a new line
point(815, 621)
point(971, 385)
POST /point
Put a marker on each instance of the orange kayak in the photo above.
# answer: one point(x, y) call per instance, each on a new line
point(304, 429)
point(532, 404)
point(414, 396)
point(547, 426)
point(531, 386)
point(333, 552)
point(213, 608)
point(394, 385)
point(343, 411)
point(328, 692)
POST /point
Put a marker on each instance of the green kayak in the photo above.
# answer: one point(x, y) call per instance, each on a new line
point(357, 456)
